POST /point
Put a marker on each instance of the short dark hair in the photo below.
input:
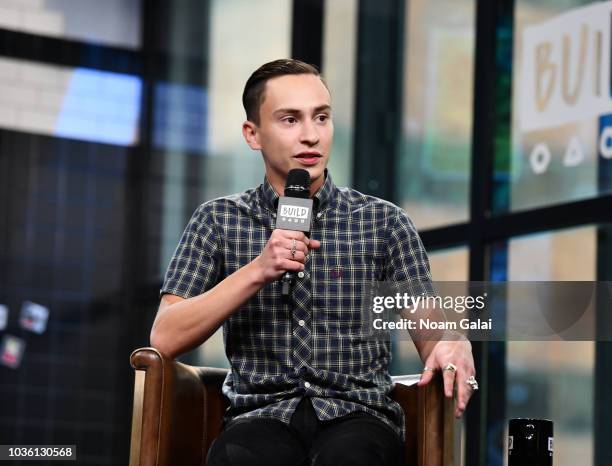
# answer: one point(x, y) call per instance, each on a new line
point(253, 94)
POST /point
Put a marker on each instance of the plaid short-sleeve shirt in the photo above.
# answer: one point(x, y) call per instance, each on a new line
point(280, 351)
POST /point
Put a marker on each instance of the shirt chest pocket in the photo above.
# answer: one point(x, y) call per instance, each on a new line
point(354, 262)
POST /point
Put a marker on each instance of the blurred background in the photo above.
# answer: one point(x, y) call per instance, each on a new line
point(118, 118)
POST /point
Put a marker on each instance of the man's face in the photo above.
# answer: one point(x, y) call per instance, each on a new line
point(295, 128)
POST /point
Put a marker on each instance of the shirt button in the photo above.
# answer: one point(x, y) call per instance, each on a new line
point(307, 384)
point(301, 274)
point(301, 322)
point(320, 214)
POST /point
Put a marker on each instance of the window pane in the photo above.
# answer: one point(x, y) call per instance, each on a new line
point(198, 137)
point(554, 380)
point(64, 209)
point(433, 170)
point(197, 129)
point(450, 264)
point(111, 22)
point(266, 27)
point(446, 265)
point(339, 52)
point(180, 118)
point(561, 104)
point(75, 103)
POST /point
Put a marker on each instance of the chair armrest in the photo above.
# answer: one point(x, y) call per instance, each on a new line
point(429, 422)
point(215, 403)
point(170, 414)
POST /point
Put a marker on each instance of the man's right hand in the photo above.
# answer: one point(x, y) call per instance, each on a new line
point(276, 257)
point(183, 324)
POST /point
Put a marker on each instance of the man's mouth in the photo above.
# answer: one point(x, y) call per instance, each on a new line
point(308, 158)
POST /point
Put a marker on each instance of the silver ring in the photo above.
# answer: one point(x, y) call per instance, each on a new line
point(428, 369)
point(450, 367)
point(471, 381)
point(293, 248)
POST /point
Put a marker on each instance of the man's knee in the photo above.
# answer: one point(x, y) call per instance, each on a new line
point(356, 443)
point(255, 442)
point(356, 456)
point(230, 454)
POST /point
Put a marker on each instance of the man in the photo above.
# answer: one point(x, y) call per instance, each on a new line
point(303, 388)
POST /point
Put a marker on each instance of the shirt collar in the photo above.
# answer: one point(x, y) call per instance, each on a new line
point(322, 198)
point(325, 194)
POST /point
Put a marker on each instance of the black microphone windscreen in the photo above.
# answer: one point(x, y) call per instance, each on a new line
point(298, 183)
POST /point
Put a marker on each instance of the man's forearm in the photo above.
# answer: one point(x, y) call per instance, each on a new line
point(424, 347)
point(425, 339)
point(186, 324)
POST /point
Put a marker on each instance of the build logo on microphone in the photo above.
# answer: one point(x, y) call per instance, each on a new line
point(293, 213)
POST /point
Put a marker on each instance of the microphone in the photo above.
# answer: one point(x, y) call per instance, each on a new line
point(294, 212)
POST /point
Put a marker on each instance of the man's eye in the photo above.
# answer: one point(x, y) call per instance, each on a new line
point(323, 118)
point(290, 120)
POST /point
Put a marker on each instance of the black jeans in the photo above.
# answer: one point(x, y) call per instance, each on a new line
point(356, 439)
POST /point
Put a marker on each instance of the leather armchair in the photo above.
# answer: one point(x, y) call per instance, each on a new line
point(178, 409)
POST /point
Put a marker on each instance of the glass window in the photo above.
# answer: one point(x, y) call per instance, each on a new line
point(339, 53)
point(64, 210)
point(180, 117)
point(554, 380)
point(76, 103)
point(111, 22)
point(199, 144)
point(197, 129)
point(446, 265)
point(561, 104)
point(265, 26)
point(450, 264)
point(433, 169)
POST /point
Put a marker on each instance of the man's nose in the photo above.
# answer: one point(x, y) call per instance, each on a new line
point(310, 134)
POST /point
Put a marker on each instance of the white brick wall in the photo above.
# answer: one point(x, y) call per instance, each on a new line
point(115, 22)
point(10, 18)
point(40, 75)
point(31, 16)
point(8, 69)
point(18, 97)
point(7, 117)
point(46, 23)
point(23, 4)
point(58, 101)
point(51, 99)
point(35, 121)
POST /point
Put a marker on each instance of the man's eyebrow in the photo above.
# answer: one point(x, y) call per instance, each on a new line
point(295, 111)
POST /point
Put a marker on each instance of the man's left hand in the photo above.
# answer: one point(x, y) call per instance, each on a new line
point(459, 355)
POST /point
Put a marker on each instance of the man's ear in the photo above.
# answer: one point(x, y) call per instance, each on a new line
point(250, 131)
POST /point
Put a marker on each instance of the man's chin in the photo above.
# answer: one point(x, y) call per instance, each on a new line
point(317, 176)
point(315, 171)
